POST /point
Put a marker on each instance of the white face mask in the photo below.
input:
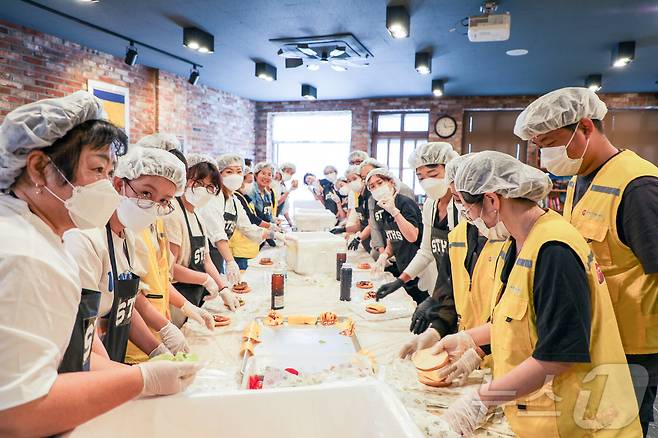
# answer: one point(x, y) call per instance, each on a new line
point(198, 197)
point(382, 193)
point(248, 187)
point(135, 218)
point(436, 188)
point(556, 160)
point(356, 185)
point(332, 176)
point(90, 206)
point(345, 190)
point(233, 181)
point(286, 177)
point(497, 232)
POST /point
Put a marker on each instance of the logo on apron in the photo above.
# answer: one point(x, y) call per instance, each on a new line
point(379, 215)
point(89, 325)
point(199, 255)
point(394, 235)
point(125, 311)
point(439, 246)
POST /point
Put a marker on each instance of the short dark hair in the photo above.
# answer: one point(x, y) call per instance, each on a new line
point(472, 199)
point(598, 124)
point(94, 134)
point(203, 170)
point(248, 161)
point(306, 175)
point(178, 154)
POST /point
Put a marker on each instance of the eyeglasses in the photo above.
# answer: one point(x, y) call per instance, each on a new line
point(209, 188)
point(466, 213)
point(144, 202)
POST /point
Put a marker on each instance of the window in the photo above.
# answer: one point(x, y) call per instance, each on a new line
point(493, 131)
point(396, 136)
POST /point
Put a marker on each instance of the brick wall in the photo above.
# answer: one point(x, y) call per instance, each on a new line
point(36, 66)
point(454, 106)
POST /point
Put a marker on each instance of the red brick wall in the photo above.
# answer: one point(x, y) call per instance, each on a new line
point(455, 106)
point(36, 66)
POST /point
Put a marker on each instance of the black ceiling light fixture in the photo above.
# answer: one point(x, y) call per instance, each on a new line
point(398, 21)
point(309, 92)
point(594, 82)
point(438, 86)
point(194, 75)
point(624, 54)
point(265, 71)
point(131, 54)
point(199, 40)
point(423, 63)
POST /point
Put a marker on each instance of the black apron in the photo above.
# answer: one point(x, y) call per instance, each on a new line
point(125, 294)
point(362, 214)
point(78, 352)
point(230, 224)
point(439, 236)
point(193, 292)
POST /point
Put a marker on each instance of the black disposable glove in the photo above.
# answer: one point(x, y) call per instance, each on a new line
point(388, 288)
point(354, 244)
point(423, 316)
point(337, 230)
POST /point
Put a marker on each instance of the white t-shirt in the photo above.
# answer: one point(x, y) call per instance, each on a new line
point(39, 297)
point(212, 218)
point(90, 251)
point(177, 234)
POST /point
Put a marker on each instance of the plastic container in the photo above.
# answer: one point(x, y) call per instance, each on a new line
point(307, 219)
point(313, 253)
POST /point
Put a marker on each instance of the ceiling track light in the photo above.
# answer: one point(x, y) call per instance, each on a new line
point(194, 75)
point(624, 54)
point(199, 40)
point(438, 86)
point(265, 71)
point(423, 63)
point(309, 92)
point(594, 82)
point(398, 21)
point(131, 54)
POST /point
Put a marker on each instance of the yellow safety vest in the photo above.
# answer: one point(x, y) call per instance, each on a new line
point(472, 293)
point(239, 244)
point(595, 398)
point(634, 294)
point(157, 278)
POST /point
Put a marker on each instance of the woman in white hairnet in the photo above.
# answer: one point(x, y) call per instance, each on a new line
point(194, 273)
point(264, 199)
point(553, 333)
point(55, 159)
point(224, 215)
point(243, 248)
point(357, 157)
point(439, 217)
point(330, 197)
point(287, 170)
point(401, 221)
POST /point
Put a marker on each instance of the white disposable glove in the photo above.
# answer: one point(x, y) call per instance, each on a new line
point(211, 286)
point(173, 339)
point(380, 264)
point(455, 345)
point(466, 414)
point(230, 299)
point(160, 349)
point(165, 377)
point(424, 340)
point(233, 272)
point(389, 206)
point(461, 368)
point(334, 197)
point(276, 228)
point(274, 235)
point(202, 316)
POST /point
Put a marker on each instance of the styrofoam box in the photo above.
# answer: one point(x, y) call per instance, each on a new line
point(313, 252)
point(311, 219)
point(363, 408)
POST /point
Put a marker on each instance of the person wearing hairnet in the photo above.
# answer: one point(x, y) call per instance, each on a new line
point(330, 197)
point(553, 333)
point(439, 217)
point(613, 201)
point(194, 273)
point(152, 249)
point(224, 214)
point(357, 157)
point(55, 159)
point(288, 185)
point(265, 201)
point(401, 220)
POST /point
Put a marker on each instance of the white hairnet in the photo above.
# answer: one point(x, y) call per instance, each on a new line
point(384, 172)
point(496, 172)
point(330, 168)
point(453, 165)
point(194, 158)
point(557, 109)
point(352, 170)
point(160, 140)
point(371, 162)
point(263, 165)
point(140, 161)
point(288, 165)
point(437, 152)
point(38, 125)
point(228, 160)
point(358, 155)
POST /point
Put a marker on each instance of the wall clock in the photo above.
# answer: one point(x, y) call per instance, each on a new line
point(445, 126)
